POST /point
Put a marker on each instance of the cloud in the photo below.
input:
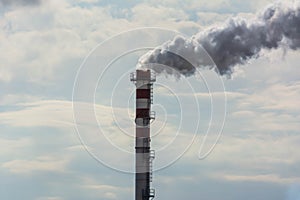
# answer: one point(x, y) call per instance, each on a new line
point(105, 191)
point(41, 113)
point(13, 146)
point(20, 2)
point(50, 198)
point(272, 178)
point(48, 164)
point(53, 37)
point(103, 187)
point(217, 6)
point(108, 134)
point(209, 18)
point(59, 114)
point(110, 195)
point(246, 157)
point(14, 99)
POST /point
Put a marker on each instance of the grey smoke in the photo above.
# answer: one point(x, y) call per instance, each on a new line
point(19, 2)
point(234, 43)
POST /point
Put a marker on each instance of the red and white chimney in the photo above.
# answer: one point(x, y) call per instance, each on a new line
point(144, 156)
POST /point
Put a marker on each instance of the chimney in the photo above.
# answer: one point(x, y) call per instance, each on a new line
point(144, 156)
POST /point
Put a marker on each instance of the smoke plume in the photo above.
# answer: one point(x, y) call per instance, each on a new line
point(234, 43)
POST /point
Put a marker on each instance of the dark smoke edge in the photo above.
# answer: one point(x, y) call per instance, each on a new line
point(235, 43)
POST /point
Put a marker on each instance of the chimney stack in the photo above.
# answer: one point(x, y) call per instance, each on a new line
point(144, 156)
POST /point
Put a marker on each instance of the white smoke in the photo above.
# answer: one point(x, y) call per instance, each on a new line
point(234, 43)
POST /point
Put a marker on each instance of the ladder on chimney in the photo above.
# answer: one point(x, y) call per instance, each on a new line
point(149, 194)
point(151, 93)
point(151, 158)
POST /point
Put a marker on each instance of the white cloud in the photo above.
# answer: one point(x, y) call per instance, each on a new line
point(218, 6)
point(270, 108)
point(164, 16)
point(155, 14)
point(272, 178)
point(257, 154)
point(279, 96)
point(211, 18)
point(103, 187)
point(116, 130)
point(47, 164)
point(14, 99)
point(59, 114)
point(41, 41)
point(50, 198)
point(110, 195)
point(13, 146)
point(104, 190)
point(41, 113)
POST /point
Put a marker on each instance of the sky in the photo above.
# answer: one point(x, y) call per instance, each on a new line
point(67, 105)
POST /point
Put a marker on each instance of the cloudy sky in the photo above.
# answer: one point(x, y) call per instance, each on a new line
point(67, 106)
